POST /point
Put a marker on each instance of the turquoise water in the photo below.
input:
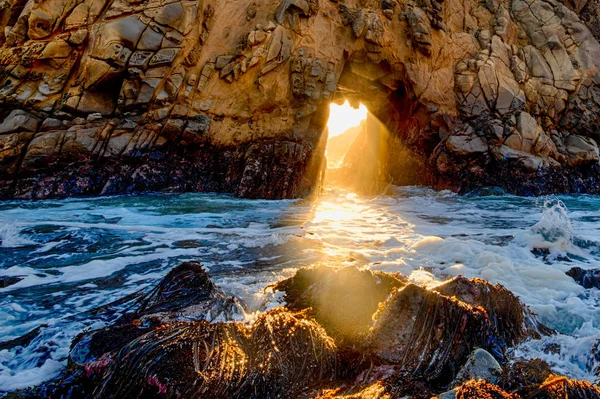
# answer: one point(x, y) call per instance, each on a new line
point(76, 255)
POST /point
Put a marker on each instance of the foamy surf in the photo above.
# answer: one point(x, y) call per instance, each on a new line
point(72, 256)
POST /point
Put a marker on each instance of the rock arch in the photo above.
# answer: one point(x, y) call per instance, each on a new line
point(117, 96)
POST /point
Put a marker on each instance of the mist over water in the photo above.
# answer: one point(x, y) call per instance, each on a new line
point(73, 256)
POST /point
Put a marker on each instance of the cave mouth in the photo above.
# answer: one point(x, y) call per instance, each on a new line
point(356, 149)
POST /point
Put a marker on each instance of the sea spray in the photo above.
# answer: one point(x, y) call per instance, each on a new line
point(11, 237)
point(555, 225)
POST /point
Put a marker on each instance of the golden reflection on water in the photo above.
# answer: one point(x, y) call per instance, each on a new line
point(354, 229)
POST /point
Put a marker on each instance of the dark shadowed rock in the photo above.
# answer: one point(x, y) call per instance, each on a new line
point(486, 192)
point(525, 376)
point(513, 321)
point(343, 300)
point(586, 278)
point(88, 347)
point(186, 292)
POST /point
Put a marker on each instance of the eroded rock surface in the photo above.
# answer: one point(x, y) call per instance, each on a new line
point(120, 96)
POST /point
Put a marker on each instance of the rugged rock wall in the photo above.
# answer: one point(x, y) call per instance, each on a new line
point(115, 96)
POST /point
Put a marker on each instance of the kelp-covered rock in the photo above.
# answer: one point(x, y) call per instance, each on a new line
point(482, 390)
point(554, 387)
point(180, 360)
point(513, 321)
point(281, 354)
point(376, 390)
point(186, 292)
point(525, 376)
point(290, 353)
point(343, 300)
point(429, 334)
point(557, 387)
point(414, 345)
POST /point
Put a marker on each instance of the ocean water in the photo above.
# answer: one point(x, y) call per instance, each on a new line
point(76, 255)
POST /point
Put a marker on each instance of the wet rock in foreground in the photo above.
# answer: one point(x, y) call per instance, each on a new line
point(343, 300)
point(525, 376)
point(281, 354)
point(513, 321)
point(186, 292)
point(428, 334)
point(407, 341)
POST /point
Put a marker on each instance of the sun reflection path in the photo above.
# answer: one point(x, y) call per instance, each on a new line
point(358, 230)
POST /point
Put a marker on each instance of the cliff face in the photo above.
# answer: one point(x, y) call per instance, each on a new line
point(117, 96)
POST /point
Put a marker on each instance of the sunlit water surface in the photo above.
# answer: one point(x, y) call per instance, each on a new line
point(76, 255)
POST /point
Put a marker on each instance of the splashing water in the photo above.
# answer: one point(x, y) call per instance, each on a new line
point(554, 225)
point(72, 256)
point(10, 237)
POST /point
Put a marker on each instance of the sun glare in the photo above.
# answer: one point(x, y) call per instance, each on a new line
point(343, 117)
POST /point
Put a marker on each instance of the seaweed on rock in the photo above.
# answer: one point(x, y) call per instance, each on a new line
point(482, 390)
point(428, 334)
point(372, 336)
point(181, 359)
point(525, 376)
point(343, 300)
point(282, 353)
point(513, 321)
point(187, 289)
point(291, 352)
point(557, 387)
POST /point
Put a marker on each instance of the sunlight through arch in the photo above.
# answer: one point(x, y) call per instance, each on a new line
point(343, 117)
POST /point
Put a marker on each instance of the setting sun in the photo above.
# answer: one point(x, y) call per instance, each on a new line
point(343, 117)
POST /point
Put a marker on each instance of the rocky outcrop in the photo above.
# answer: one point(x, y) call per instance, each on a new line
point(343, 301)
point(586, 278)
point(119, 96)
point(511, 318)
